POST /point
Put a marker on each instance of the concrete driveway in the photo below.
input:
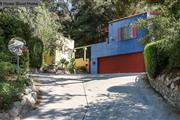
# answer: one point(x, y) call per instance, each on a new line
point(110, 97)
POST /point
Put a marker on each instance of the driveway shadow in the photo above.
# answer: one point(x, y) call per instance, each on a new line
point(80, 77)
point(132, 102)
point(130, 89)
point(118, 109)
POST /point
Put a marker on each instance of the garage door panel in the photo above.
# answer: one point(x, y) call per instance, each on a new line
point(122, 63)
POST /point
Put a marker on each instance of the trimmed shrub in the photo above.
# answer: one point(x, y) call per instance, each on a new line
point(150, 59)
point(174, 59)
point(35, 52)
point(156, 57)
point(24, 60)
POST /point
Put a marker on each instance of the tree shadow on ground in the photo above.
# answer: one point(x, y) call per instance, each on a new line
point(128, 102)
point(49, 81)
point(85, 77)
point(119, 109)
point(54, 98)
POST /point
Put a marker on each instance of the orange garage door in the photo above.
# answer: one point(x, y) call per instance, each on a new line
point(129, 63)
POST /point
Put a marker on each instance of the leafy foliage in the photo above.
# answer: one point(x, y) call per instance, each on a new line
point(6, 56)
point(44, 25)
point(24, 60)
point(11, 26)
point(66, 63)
point(123, 8)
point(6, 69)
point(85, 20)
point(33, 26)
point(46, 29)
point(9, 92)
point(82, 69)
point(164, 26)
point(156, 58)
point(72, 66)
point(151, 59)
point(36, 51)
point(2, 45)
point(163, 55)
point(174, 55)
point(63, 63)
point(38, 28)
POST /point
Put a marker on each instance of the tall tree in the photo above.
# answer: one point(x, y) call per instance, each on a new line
point(166, 25)
point(123, 8)
point(80, 20)
point(84, 20)
point(44, 24)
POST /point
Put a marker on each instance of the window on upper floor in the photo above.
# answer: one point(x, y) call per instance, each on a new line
point(127, 32)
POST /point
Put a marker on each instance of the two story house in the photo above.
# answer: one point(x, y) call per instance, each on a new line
point(123, 51)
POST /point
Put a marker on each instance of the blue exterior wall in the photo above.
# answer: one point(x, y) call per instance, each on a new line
point(115, 46)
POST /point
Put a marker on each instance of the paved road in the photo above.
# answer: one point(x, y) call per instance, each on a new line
point(110, 97)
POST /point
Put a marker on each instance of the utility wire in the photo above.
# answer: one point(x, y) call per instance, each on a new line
point(87, 103)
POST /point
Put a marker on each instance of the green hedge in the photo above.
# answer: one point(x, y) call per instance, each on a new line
point(174, 55)
point(151, 59)
point(156, 57)
point(24, 61)
point(2, 44)
point(6, 69)
point(36, 52)
point(5, 56)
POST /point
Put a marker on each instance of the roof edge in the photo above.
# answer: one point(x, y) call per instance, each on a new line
point(127, 17)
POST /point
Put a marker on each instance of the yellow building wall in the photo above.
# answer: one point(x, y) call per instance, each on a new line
point(48, 58)
point(80, 62)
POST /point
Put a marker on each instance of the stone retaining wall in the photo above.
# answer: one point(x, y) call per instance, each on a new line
point(20, 108)
point(168, 85)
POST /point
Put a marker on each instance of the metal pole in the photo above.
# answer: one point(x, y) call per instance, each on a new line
point(85, 49)
point(74, 54)
point(18, 67)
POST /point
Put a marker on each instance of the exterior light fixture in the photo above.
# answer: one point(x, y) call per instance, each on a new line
point(111, 38)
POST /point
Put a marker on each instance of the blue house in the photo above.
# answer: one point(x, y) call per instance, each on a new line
point(123, 52)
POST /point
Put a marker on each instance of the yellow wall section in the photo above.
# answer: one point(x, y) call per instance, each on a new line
point(81, 62)
point(48, 58)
